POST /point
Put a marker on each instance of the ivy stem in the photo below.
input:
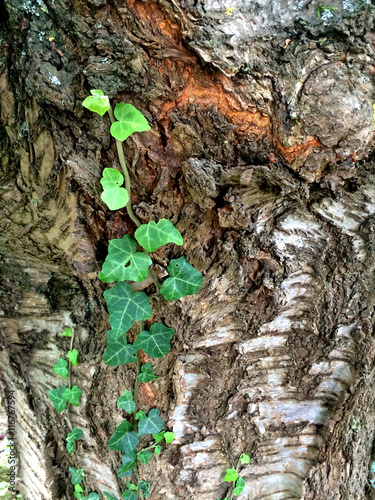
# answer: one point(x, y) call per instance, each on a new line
point(135, 422)
point(85, 486)
point(70, 384)
point(234, 482)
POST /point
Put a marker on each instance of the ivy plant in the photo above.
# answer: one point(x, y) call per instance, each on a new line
point(232, 476)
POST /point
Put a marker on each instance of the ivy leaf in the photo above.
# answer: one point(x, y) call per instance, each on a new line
point(114, 196)
point(126, 307)
point(78, 488)
point(144, 456)
point(152, 424)
point(185, 280)
point(129, 120)
point(97, 102)
point(92, 496)
point(131, 486)
point(120, 252)
point(118, 351)
point(244, 459)
point(240, 485)
point(73, 356)
point(169, 437)
point(72, 395)
point(157, 342)
point(129, 495)
point(154, 235)
point(145, 487)
point(158, 437)
point(146, 375)
point(129, 462)
point(231, 475)
point(126, 402)
point(124, 439)
point(77, 475)
point(109, 496)
point(72, 436)
point(140, 414)
point(56, 396)
point(61, 368)
point(67, 332)
point(157, 449)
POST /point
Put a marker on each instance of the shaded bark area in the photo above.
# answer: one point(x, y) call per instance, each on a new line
point(261, 153)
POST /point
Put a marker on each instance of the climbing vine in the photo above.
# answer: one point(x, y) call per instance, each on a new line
point(122, 264)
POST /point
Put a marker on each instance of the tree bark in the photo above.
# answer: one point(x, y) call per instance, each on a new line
point(261, 153)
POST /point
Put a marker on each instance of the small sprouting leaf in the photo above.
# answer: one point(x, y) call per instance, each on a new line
point(109, 496)
point(124, 438)
point(97, 102)
point(145, 487)
point(78, 488)
point(231, 475)
point(152, 424)
point(70, 446)
point(129, 120)
point(159, 437)
point(129, 462)
point(131, 486)
point(146, 375)
point(61, 368)
point(67, 332)
point(169, 437)
point(77, 475)
point(72, 436)
point(244, 459)
point(73, 356)
point(153, 235)
point(125, 307)
point(240, 485)
point(140, 414)
point(72, 395)
point(120, 252)
point(185, 280)
point(56, 396)
point(92, 496)
point(157, 342)
point(157, 449)
point(78, 495)
point(126, 402)
point(144, 456)
point(129, 495)
point(113, 195)
point(118, 351)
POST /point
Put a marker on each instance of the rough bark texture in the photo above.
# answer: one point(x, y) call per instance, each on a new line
point(260, 153)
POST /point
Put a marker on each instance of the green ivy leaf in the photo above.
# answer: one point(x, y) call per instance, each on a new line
point(153, 235)
point(126, 307)
point(77, 475)
point(78, 495)
point(157, 449)
point(240, 485)
point(146, 375)
point(97, 102)
point(72, 436)
point(152, 424)
point(126, 402)
point(78, 488)
point(145, 487)
point(244, 459)
point(73, 356)
point(128, 463)
point(113, 195)
point(169, 437)
point(185, 280)
point(131, 486)
point(56, 396)
point(157, 342)
point(140, 414)
point(159, 437)
point(231, 475)
point(124, 438)
point(61, 368)
point(120, 252)
point(72, 395)
point(109, 496)
point(92, 496)
point(129, 495)
point(67, 332)
point(118, 351)
point(144, 456)
point(129, 120)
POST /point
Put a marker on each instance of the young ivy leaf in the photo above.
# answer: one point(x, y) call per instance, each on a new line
point(67, 332)
point(72, 395)
point(73, 356)
point(158, 437)
point(244, 459)
point(109, 496)
point(231, 475)
point(240, 485)
point(97, 102)
point(157, 449)
point(131, 486)
point(169, 437)
point(120, 252)
point(153, 235)
point(145, 487)
point(152, 424)
point(125, 307)
point(118, 351)
point(124, 438)
point(72, 436)
point(113, 195)
point(157, 342)
point(146, 375)
point(61, 368)
point(185, 280)
point(129, 462)
point(129, 120)
point(56, 396)
point(129, 495)
point(144, 456)
point(77, 475)
point(126, 402)
point(140, 414)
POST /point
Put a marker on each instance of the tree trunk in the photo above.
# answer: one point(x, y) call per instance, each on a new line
point(260, 154)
